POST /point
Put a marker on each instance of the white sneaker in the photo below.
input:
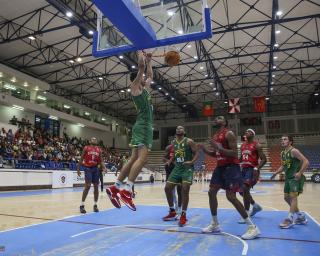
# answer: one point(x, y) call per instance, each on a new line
point(252, 233)
point(212, 228)
point(241, 221)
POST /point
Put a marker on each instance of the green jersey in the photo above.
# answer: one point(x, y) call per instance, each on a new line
point(144, 108)
point(182, 151)
point(291, 165)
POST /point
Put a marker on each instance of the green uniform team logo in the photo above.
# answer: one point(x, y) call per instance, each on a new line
point(182, 153)
point(142, 132)
point(291, 166)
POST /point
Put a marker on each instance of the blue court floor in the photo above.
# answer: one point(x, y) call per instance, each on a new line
point(124, 232)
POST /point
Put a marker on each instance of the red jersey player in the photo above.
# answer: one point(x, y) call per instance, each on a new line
point(227, 176)
point(251, 152)
point(90, 158)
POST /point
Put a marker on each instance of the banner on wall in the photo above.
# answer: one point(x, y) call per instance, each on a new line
point(62, 179)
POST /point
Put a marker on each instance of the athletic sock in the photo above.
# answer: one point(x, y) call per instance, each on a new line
point(129, 186)
point(95, 202)
point(249, 221)
point(118, 184)
point(82, 204)
point(214, 219)
point(290, 216)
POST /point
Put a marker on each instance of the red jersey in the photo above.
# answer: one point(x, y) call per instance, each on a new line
point(223, 160)
point(249, 154)
point(171, 152)
point(91, 156)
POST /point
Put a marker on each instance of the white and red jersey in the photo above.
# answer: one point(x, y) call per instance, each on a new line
point(91, 157)
point(223, 160)
point(249, 154)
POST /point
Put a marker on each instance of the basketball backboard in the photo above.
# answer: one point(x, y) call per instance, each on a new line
point(130, 25)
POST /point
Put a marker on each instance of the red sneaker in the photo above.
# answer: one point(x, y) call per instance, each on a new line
point(183, 220)
point(112, 193)
point(170, 216)
point(126, 198)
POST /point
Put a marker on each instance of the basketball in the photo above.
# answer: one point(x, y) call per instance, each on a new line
point(172, 58)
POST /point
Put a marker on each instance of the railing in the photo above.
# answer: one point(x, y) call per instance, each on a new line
point(47, 165)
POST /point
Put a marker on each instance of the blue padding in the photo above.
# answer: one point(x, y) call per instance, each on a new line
point(157, 43)
point(125, 16)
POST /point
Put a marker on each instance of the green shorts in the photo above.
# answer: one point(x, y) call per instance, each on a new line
point(142, 135)
point(293, 185)
point(181, 174)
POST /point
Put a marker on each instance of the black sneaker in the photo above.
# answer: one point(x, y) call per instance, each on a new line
point(95, 208)
point(82, 210)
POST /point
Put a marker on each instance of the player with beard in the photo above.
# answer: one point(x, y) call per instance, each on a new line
point(227, 175)
point(185, 154)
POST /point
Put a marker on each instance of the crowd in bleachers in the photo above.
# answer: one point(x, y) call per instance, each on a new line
point(28, 145)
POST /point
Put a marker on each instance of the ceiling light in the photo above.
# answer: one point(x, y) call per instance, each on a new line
point(103, 119)
point(81, 125)
point(87, 113)
point(276, 45)
point(69, 14)
point(184, 105)
point(71, 61)
point(274, 67)
point(122, 91)
point(273, 75)
point(226, 102)
point(133, 66)
point(1, 74)
point(170, 13)
point(275, 57)
point(53, 117)
point(79, 59)
point(90, 32)
point(100, 78)
point(17, 107)
point(41, 97)
point(272, 82)
point(160, 88)
point(167, 94)
point(279, 13)
point(316, 94)
point(267, 98)
point(278, 31)
point(36, 88)
point(31, 37)
point(152, 82)
point(217, 93)
point(195, 57)
point(66, 106)
point(211, 83)
point(120, 57)
point(128, 90)
point(25, 84)
point(189, 45)
point(180, 32)
point(271, 88)
point(206, 75)
point(201, 67)
point(172, 98)
point(9, 87)
point(214, 88)
point(45, 92)
point(13, 80)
